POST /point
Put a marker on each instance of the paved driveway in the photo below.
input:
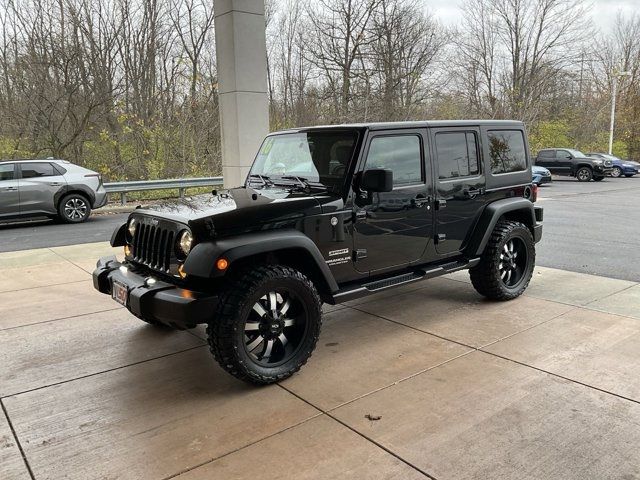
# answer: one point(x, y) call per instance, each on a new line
point(426, 381)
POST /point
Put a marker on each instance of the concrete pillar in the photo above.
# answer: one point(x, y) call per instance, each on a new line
point(242, 83)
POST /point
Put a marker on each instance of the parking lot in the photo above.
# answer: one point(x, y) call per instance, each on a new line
point(425, 381)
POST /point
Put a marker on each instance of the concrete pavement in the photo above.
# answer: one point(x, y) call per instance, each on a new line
point(425, 381)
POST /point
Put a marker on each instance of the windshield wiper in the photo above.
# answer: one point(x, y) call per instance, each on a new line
point(303, 184)
point(266, 181)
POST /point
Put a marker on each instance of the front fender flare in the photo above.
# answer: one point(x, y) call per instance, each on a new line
point(202, 259)
point(118, 237)
point(490, 216)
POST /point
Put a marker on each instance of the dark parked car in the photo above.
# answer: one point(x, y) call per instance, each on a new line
point(573, 163)
point(52, 188)
point(619, 167)
point(540, 175)
point(329, 214)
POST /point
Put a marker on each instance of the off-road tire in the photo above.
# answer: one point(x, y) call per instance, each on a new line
point(584, 174)
point(598, 179)
point(616, 172)
point(64, 213)
point(485, 276)
point(226, 330)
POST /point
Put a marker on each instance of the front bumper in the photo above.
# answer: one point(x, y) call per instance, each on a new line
point(541, 179)
point(162, 302)
point(600, 171)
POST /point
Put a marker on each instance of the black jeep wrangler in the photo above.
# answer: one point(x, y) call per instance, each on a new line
point(574, 163)
point(329, 214)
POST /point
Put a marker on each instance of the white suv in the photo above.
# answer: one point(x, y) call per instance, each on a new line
point(53, 188)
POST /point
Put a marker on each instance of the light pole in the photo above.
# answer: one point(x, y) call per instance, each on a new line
point(613, 105)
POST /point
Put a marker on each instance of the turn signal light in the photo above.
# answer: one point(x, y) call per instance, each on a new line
point(127, 251)
point(181, 271)
point(222, 264)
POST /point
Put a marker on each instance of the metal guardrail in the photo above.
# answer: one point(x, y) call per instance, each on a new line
point(180, 183)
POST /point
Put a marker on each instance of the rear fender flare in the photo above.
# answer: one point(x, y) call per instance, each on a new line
point(521, 207)
point(201, 261)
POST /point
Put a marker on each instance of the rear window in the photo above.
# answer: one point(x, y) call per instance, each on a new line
point(507, 152)
point(34, 170)
point(457, 154)
point(6, 171)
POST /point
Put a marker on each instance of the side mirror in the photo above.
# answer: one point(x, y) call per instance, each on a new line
point(377, 180)
point(569, 157)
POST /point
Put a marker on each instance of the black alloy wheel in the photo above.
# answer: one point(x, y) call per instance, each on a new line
point(266, 325)
point(616, 172)
point(275, 328)
point(513, 262)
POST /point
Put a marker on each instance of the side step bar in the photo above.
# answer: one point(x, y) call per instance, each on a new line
point(364, 289)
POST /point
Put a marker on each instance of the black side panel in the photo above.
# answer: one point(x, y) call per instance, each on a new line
point(492, 214)
point(202, 259)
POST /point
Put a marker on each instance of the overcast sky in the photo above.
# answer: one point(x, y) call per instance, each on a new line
point(603, 12)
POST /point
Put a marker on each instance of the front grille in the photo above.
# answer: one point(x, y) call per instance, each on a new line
point(153, 243)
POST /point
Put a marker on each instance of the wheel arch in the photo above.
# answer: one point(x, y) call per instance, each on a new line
point(78, 190)
point(287, 247)
point(516, 209)
point(580, 165)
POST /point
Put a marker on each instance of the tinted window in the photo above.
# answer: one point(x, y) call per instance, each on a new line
point(457, 154)
point(400, 154)
point(507, 151)
point(563, 154)
point(547, 153)
point(32, 170)
point(6, 171)
point(318, 157)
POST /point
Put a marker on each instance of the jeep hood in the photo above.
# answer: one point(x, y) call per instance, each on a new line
point(240, 209)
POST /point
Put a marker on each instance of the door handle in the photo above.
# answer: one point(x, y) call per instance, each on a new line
point(420, 201)
point(11, 189)
point(55, 184)
point(440, 204)
point(360, 214)
point(470, 192)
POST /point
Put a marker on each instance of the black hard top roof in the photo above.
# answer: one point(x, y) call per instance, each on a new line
point(410, 124)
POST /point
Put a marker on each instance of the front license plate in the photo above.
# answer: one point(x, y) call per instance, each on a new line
point(119, 293)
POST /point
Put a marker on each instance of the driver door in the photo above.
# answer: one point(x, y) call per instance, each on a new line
point(394, 228)
point(9, 197)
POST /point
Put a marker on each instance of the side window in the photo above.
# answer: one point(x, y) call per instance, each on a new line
point(457, 154)
point(34, 170)
point(562, 154)
point(400, 154)
point(6, 171)
point(547, 154)
point(507, 151)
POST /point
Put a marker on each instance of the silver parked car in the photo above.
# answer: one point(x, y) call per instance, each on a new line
point(53, 188)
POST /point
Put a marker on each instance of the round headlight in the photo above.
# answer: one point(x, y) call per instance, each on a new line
point(185, 241)
point(132, 227)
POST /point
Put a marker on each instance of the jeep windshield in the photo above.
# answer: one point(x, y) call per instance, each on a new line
point(305, 161)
